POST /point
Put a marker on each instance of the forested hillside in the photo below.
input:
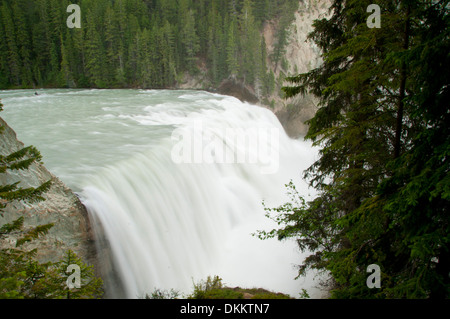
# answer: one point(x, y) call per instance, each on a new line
point(139, 43)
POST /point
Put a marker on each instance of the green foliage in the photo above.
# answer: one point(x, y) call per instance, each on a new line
point(163, 294)
point(14, 193)
point(137, 43)
point(91, 286)
point(32, 234)
point(22, 277)
point(20, 160)
point(207, 289)
point(222, 293)
point(287, 16)
point(383, 170)
point(213, 288)
point(270, 295)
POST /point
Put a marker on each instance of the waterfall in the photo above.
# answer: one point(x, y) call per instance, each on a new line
point(171, 223)
point(174, 182)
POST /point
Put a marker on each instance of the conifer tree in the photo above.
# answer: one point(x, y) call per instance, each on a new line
point(66, 73)
point(90, 286)
point(189, 40)
point(382, 175)
point(232, 49)
point(95, 53)
point(23, 40)
point(11, 43)
point(4, 67)
point(145, 64)
point(250, 44)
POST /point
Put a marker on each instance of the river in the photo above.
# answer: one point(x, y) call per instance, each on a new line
point(176, 178)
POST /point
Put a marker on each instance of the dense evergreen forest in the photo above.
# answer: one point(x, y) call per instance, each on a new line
point(139, 43)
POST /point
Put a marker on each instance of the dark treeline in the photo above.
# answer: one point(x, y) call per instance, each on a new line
point(138, 43)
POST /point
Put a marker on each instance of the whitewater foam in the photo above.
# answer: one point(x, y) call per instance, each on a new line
point(169, 223)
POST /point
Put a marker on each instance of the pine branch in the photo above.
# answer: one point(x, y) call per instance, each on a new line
point(14, 226)
point(21, 159)
point(13, 193)
point(34, 233)
point(4, 189)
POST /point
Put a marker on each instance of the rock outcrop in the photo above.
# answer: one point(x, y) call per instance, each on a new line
point(238, 90)
point(62, 207)
point(302, 56)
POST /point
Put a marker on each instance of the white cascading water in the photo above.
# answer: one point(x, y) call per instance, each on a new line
point(184, 206)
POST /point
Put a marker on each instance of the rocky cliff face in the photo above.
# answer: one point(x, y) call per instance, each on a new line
point(302, 56)
point(61, 206)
